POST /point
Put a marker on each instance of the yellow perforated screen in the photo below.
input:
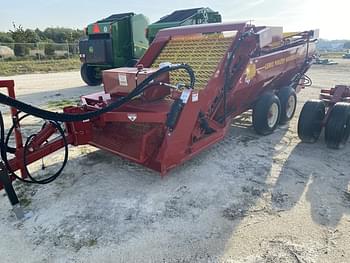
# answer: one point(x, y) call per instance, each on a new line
point(203, 54)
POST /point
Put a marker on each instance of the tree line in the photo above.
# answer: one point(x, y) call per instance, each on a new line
point(333, 45)
point(18, 38)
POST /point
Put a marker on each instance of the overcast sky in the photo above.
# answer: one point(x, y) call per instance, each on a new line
point(332, 17)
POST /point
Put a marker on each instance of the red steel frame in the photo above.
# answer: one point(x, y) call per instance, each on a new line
point(146, 139)
point(41, 148)
point(340, 93)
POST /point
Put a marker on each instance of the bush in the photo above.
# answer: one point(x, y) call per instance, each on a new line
point(73, 49)
point(5, 38)
point(49, 50)
point(21, 50)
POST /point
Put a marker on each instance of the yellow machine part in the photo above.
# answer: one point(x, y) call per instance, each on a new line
point(203, 54)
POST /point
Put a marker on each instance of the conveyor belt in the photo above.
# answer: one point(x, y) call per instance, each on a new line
point(202, 54)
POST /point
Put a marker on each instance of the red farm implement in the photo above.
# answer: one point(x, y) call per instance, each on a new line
point(179, 100)
point(331, 112)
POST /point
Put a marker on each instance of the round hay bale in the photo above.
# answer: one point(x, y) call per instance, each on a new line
point(6, 52)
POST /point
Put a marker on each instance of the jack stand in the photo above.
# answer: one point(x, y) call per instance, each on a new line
point(10, 191)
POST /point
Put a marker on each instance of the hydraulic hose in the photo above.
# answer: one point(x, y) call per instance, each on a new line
point(54, 176)
point(64, 117)
point(4, 149)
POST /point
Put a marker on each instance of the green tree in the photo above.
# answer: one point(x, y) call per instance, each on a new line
point(49, 50)
point(62, 35)
point(21, 37)
point(26, 39)
point(18, 34)
point(40, 34)
point(5, 38)
point(31, 36)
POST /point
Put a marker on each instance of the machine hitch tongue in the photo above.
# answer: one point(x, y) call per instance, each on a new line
point(10, 191)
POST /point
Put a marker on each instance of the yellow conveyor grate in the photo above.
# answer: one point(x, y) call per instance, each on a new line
point(202, 54)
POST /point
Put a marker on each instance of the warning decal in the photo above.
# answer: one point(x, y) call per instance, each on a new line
point(123, 81)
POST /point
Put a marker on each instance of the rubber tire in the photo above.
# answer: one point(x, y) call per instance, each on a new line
point(88, 74)
point(337, 129)
point(284, 94)
point(310, 121)
point(261, 111)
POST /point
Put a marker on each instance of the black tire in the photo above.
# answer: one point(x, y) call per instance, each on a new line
point(288, 99)
point(89, 75)
point(337, 129)
point(263, 122)
point(310, 121)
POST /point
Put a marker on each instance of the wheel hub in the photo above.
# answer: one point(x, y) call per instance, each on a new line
point(291, 104)
point(272, 115)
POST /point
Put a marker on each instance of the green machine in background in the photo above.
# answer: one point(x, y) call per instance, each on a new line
point(120, 40)
point(116, 41)
point(183, 18)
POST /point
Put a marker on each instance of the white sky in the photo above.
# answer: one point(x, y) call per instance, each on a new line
point(332, 17)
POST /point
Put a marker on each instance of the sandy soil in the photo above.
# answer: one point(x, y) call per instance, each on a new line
point(247, 199)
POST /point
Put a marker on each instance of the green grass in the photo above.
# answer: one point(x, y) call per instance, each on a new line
point(331, 54)
point(8, 68)
point(60, 104)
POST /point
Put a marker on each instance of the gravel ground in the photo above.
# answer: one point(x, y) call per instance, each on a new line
point(247, 199)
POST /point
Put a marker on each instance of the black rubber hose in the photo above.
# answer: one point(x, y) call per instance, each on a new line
point(64, 117)
point(3, 145)
point(4, 142)
point(3, 149)
point(53, 177)
point(9, 133)
point(307, 80)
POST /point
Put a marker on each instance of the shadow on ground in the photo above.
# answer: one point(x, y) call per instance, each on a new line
point(325, 184)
